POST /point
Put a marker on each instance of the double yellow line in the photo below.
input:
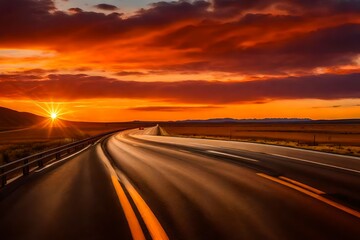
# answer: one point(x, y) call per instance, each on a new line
point(153, 225)
point(310, 191)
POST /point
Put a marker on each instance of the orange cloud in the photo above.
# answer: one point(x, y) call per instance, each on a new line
point(81, 86)
point(255, 50)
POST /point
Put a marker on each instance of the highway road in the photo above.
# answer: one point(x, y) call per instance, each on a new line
point(136, 185)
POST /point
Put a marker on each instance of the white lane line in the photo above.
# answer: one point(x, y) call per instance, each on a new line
point(49, 165)
point(231, 155)
point(130, 215)
point(64, 159)
point(184, 151)
point(317, 163)
point(202, 144)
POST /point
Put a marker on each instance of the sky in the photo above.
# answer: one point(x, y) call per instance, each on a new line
point(122, 60)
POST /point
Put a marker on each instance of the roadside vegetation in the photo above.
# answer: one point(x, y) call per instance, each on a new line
point(18, 143)
point(11, 152)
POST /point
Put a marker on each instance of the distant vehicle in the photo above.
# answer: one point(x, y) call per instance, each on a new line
point(141, 128)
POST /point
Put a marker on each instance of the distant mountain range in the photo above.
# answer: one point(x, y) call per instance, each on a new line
point(13, 119)
point(270, 120)
point(233, 120)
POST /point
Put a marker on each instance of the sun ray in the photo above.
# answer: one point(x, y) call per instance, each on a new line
point(55, 122)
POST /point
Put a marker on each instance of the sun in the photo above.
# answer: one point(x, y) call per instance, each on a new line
point(53, 111)
point(53, 115)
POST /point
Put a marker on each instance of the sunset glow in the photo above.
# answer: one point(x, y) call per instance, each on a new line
point(53, 116)
point(179, 119)
point(181, 59)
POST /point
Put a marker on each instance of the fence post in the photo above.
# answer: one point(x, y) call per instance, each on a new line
point(314, 142)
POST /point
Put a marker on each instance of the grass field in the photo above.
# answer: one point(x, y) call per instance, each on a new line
point(336, 138)
point(343, 138)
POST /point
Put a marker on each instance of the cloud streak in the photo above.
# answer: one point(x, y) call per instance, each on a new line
point(81, 86)
point(241, 36)
point(172, 108)
point(183, 54)
point(106, 7)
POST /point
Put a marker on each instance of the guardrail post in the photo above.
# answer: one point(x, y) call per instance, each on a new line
point(3, 178)
point(58, 156)
point(40, 162)
point(26, 167)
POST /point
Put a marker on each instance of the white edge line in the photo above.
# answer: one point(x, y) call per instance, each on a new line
point(105, 160)
point(286, 147)
point(231, 155)
point(317, 163)
point(184, 151)
point(47, 166)
point(64, 159)
point(262, 144)
point(122, 178)
point(119, 175)
point(202, 144)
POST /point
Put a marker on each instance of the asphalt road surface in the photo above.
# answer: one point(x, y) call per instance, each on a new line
point(136, 185)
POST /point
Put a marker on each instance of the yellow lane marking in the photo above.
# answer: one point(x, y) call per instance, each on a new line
point(311, 194)
point(155, 228)
point(153, 225)
point(317, 191)
point(133, 222)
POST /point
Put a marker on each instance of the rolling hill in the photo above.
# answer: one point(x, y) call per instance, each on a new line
point(11, 119)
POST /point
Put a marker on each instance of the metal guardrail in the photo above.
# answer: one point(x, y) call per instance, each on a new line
point(26, 165)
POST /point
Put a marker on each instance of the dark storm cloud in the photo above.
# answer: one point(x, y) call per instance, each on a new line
point(310, 34)
point(320, 6)
point(75, 10)
point(106, 7)
point(321, 48)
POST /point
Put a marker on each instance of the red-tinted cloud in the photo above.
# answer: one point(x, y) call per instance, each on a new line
point(284, 43)
point(292, 6)
point(172, 108)
point(81, 86)
point(256, 39)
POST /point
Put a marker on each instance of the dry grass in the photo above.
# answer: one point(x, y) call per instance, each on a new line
point(11, 152)
point(335, 138)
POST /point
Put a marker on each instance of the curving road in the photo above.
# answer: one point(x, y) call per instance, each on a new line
point(138, 185)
